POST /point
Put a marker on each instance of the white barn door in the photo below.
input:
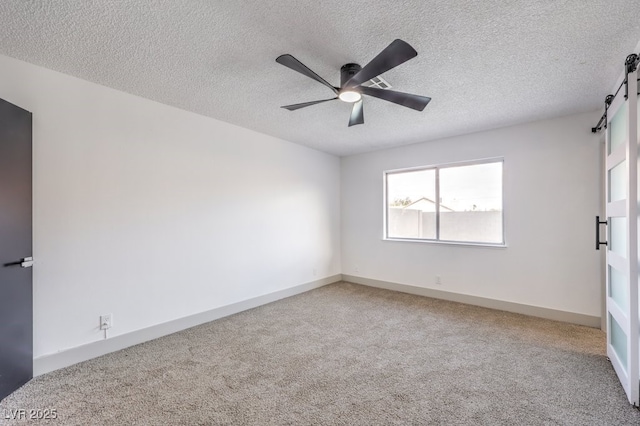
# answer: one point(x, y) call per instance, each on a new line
point(622, 301)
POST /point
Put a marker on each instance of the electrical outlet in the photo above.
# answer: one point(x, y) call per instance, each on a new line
point(315, 272)
point(106, 321)
point(357, 268)
point(438, 280)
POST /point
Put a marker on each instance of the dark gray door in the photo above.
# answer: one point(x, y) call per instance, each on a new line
point(16, 305)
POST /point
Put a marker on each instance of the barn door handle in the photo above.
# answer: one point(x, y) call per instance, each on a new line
point(598, 223)
point(26, 262)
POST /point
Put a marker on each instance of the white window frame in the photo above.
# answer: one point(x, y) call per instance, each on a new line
point(437, 168)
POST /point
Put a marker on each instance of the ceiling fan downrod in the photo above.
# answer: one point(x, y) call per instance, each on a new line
point(347, 71)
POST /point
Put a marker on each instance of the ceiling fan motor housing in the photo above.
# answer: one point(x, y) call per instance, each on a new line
point(347, 71)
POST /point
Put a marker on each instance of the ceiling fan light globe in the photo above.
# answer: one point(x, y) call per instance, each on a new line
point(349, 96)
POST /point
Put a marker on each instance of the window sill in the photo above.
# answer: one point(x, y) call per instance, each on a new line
point(448, 243)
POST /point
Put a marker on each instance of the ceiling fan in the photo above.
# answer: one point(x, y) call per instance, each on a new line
point(353, 75)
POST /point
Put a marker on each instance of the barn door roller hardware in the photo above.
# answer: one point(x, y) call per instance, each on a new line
point(630, 65)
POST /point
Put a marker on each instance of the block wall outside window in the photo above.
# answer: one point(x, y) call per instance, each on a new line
point(459, 203)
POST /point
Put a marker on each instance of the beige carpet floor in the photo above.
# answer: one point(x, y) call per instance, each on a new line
point(346, 354)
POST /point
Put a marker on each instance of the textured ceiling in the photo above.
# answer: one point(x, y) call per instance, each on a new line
point(486, 64)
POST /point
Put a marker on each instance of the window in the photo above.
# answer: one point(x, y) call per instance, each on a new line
point(459, 202)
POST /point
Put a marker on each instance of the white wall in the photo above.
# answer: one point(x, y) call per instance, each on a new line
point(153, 213)
point(552, 193)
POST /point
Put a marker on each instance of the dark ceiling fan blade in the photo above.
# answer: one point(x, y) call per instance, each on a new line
point(408, 100)
point(305, 104)
point(291, 62)
point(396, 53)
point(357, 114)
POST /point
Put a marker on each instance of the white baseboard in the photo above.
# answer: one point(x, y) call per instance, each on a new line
point(46, 363)
point(501, 305)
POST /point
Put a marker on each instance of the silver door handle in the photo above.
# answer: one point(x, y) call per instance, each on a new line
point(26, 262)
